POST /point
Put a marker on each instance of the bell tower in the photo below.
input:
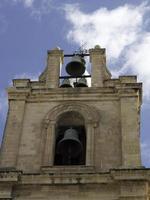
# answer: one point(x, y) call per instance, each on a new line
point(75, 136)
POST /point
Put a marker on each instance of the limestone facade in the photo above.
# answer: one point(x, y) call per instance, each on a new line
point(110, 112)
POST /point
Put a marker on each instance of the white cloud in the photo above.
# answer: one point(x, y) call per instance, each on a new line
point(38, 7)
point(110, 28)
point(138, 60)
point(27, 3)
point(33, 77)
point(122, 31)
point(42, 8)
point(3, 24)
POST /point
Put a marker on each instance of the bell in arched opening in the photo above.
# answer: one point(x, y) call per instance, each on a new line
point(76, 67)
point(70, 146)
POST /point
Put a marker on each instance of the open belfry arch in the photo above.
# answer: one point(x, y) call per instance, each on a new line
point(68, 115)
point(75, 136)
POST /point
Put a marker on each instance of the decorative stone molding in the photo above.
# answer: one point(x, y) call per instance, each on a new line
point(89, 113)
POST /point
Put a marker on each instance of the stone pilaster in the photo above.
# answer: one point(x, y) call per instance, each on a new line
point(13, 129)
point(90, 145)
point(130, 131)
point(54, 61)
point(50, 145)
point(99, 72)
point(130, 190)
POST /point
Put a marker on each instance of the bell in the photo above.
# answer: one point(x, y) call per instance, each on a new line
point(82, 83)
point(65, 83)
point(76, 67)
point(70, 146)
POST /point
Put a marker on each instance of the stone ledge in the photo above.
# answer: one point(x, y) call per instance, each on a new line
point(9, 175)
point(53, 179)
point(5, 198)
point(131, 174)
point(21, 83)
point(56, 177)
point(67, 169)
point(86, 178)
point(128, 79)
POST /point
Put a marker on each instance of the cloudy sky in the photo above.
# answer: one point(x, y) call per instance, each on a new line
point(28, 28)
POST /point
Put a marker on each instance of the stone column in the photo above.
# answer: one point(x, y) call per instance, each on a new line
point(54, 61)
point(130, 131)
point(98, 68)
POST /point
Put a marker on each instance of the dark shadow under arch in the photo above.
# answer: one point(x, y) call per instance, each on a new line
point(70, 121)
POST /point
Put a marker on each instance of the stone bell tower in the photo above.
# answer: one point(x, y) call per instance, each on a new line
point(66, 139)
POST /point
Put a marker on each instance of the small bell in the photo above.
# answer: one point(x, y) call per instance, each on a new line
point(76, 67)
point(65, 83)
point(81, 83)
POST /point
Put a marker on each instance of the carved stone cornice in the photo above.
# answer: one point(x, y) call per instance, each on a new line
point(55, 177)
point(7, 176)
point(18, 94)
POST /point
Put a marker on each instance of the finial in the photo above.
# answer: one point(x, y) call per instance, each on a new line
point(57, 48)
point(97, 46)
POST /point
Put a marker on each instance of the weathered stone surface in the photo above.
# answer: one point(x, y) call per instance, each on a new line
point(131, 184)
point(109, 110)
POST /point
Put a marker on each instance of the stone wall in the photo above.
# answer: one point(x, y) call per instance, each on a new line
point(115, 130)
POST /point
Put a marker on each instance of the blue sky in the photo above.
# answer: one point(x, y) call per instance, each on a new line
point(28, 28)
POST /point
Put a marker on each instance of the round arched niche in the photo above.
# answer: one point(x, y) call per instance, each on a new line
point(70, 121)
point(83, 115)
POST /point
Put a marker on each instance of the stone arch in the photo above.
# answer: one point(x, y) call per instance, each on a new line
point(91, 117)
point(89, 113)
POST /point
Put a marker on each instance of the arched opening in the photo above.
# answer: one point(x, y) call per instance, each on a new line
point(70, 144)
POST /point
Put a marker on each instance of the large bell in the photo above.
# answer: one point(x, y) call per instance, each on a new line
point(65, 83)
point(82, 83)
point(76, 67)
point(70, 146)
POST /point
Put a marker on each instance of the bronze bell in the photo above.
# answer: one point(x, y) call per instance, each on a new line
point(70, 146)
point(81, 83)
point(76, 67)
point(65, 83)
